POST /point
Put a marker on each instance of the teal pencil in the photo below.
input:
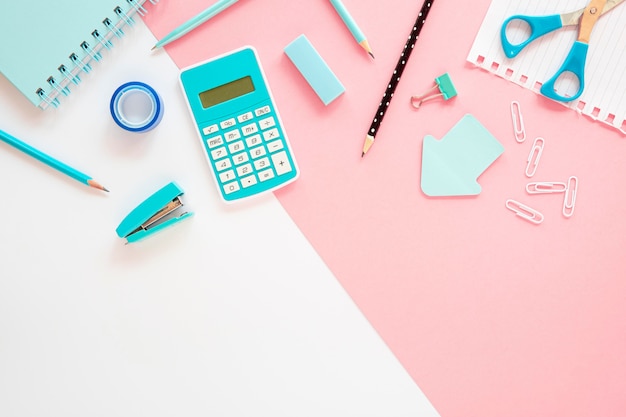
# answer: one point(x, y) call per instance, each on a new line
point(50, 161)
point(194, 22)
point(352, 26)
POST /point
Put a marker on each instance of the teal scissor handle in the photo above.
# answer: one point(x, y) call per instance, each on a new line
point(539, 26)
point(574, 63)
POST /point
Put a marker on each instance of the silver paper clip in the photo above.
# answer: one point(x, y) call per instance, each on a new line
point(525, 212)
point(546, 187)
point(518, 122)
point(570, 196)
point(534, 156)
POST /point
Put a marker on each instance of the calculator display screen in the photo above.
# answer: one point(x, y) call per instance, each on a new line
point(226, 92)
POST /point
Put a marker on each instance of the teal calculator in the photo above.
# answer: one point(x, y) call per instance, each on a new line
point(239, 126)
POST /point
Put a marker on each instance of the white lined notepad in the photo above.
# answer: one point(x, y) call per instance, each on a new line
point(604, 96)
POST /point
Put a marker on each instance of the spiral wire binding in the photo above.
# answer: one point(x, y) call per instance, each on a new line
point(102, 39)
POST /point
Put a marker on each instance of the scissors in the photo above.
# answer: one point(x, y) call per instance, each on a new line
point(574, 63)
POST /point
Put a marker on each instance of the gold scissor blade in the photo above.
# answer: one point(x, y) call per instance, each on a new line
point(592, 13)
point(573, 18)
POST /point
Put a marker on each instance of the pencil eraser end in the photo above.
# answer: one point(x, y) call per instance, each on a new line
point(314, 69)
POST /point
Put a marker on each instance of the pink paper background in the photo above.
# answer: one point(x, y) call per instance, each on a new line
point(490, 315)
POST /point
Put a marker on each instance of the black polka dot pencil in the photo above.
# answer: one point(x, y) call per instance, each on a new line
point(395, 78)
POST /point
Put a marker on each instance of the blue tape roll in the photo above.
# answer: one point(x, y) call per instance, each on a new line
point(136, 107)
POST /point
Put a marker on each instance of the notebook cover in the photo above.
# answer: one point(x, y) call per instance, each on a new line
point(36, 37)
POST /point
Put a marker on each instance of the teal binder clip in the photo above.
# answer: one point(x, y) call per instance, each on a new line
point(154, 214)
point(446, 91)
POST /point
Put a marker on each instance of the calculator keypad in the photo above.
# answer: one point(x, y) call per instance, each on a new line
point(248, 150)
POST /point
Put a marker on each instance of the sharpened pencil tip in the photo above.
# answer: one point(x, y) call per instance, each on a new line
point(97, 185)
point(367, 48)
point(369, 140)
point(153, 48)
point(372, 55)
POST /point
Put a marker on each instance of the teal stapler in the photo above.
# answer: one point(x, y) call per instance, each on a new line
point(156, 213)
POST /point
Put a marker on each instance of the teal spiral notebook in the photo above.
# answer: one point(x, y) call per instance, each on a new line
point(46, 46)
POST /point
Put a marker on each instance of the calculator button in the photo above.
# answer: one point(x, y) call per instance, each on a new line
point(253, 140)
point(257, 152)
point(281, 163)
point(223, 164)
point(249, 129)
point(219, 153)
point(228, 123)
point(244, 170)
point(232, 135)
point(236, 147)
point(240, 158)
point(231, 188)
point(270, 134)
point(210, 129)
point(268, 174)
point(277, 145)
point(248, 181)
point(215, 141)
point(227, 176)
point(267, 123)
point(262, 111)
point(261, 163)
point(245, 117)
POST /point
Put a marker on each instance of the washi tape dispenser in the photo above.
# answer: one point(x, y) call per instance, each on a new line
point(157, 212)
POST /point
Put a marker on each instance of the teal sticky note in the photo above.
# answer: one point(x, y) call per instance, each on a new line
point(452, 165)
point(314, 69)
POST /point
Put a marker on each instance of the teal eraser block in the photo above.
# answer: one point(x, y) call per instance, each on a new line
point(314, 69)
